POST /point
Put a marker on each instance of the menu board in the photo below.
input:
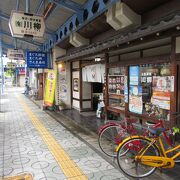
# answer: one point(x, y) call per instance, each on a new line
point(162, 87)
point(116, 84)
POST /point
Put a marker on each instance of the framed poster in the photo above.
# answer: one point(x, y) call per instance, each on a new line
point(76, 84)
point(134, 75)
point(135, 99)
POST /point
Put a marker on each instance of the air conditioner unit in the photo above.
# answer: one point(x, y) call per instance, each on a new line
point(77, 40)
point(120, 16)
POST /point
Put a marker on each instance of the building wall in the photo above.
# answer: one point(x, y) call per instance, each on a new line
point(21, 80)
point(66, 96)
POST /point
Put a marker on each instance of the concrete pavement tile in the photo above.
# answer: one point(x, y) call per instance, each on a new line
point(38, 176)
point(1, 172)
point(7, 171)
point(77, 153)
point(50, 174)
point(89, 165)
point(46, 156)
point(40, 165)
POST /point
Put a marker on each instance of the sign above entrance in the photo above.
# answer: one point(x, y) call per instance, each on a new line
point(23, 24)
point(36, 59)
point(15, 54)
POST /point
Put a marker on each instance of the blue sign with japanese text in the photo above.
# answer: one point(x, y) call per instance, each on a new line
point(36, 59)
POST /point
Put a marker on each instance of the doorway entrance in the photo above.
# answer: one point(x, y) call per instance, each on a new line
point(97, 90)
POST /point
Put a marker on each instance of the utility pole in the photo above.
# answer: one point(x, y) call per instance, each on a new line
point(26, 69)
point(2, 68)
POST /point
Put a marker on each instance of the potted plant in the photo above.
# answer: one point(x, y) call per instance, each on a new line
point(62, 105)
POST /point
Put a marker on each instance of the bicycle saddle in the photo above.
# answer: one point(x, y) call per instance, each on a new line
point(156, 131)
point(150, 123)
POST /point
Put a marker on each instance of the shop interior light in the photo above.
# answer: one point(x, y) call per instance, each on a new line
point(178, 27)
point(97, 59)
point(60, 65)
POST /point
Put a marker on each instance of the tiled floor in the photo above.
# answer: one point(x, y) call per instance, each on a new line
point(23, 149)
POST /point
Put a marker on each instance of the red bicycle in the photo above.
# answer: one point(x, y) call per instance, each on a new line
point(112, 133)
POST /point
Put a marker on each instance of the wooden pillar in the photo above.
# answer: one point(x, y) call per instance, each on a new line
point(126, 76)
point(173, 100)
point(80, 83)
point(106, 84)
point(71, 87)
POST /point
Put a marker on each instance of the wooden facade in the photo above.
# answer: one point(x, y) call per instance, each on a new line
point(159, 34)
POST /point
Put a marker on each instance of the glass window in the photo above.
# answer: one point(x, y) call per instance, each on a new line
point(149, 89)
point(116, 88)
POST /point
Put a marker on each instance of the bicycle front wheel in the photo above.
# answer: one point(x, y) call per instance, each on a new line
point(109, 139)
point(127, 161)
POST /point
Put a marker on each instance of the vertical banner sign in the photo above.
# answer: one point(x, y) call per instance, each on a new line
point(23, 24)
point(50, 87)
point(125, 89)
point(62, 82)
point(36, 59)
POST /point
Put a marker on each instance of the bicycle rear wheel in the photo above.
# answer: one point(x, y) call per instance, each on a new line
point(126, 157)
point(109, 139)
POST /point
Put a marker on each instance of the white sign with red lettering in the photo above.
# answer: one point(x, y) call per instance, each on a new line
point(23, 24)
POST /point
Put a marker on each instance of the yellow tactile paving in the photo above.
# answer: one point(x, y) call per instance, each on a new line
point(68, 166)
point(20, 177)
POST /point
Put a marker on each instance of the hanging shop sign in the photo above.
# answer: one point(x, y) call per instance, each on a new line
point(134, 75)
point(135, 99)
point(23, 24)
point(15, 54)
point(36, 59)
point(50, 88)
point(94, 73)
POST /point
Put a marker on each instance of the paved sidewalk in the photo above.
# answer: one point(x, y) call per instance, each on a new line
point(71, 120)
point(28, 137)
point(86, 128)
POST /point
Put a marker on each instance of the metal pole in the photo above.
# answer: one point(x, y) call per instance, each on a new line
point(16, 79)
point(2, 68)
point(26, 69)
point(27, 6)
point(17, 5)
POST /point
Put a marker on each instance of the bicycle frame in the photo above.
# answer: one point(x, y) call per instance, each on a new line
point(155, 161)
point(130, 128)
point(166, 152)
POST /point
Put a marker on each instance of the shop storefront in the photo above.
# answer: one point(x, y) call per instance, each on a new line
point(87, 85)
point(141, 69)
point(142, 87)
point(142, 90)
